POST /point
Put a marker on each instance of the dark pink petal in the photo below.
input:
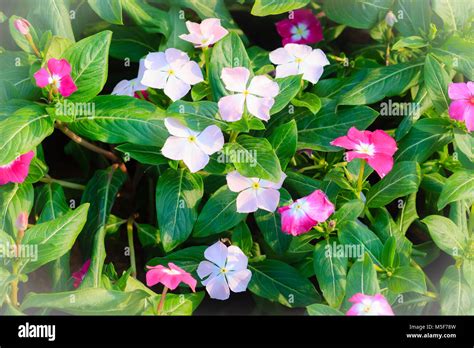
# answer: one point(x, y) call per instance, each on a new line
point(457, 109)
point(344, 142)
point(319, 207)
point(294, 224)
point(17, 170)
point(469, 117)
point(359, 136)
point(59, 67)
point(350, 155)
point(383, 142)
point(67, 86)
point(185, 277)
point(79, 275)
point(154, 275)
point(284, 28)
point(42, 77)
point(459, 91)
point(381, 163)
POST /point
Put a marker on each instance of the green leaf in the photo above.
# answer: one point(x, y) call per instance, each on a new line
point(227, 53)
point(54, 238)
point(308, 100)
point(50, 202)
point(100, 192)
point(289, 88)
point(242, 237)
point(403, 179)
point(413, 17)
point(178, 27)
point(357, 236)
point(407, 279)
point(459, 186)
point(110, 11)
point(148, 235)
point(317, 131)
point(362, 278)
point(122, 119)
point(89, 62)
point(269, 223)
point(383, 82)
point(23, 131)
point(408, 214)
point(361, 14)
point(349, 211)
point(284, 139)
point(219, 214)
point(330, 269)
point(455, 14)
point(456, 295)
point(457, 53)
point(52, 15)
point(412, 42)
point(464, 143)
point(389, 256)
point(188, 259)
point(254, 157)
point(38, 169)
point(273, 7)
point(14, 199)
point(278, 282)
point(19, 38)
point(436, 82)
point(89, 302)
point(196, 115)
point(320, 309)
point(143, 153)
point(150, 18)
point(132, 42)
point(178, 194)
point(446, 235)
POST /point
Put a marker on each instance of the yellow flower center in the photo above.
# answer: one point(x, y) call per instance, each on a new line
point(256, 185)
point(223, 270)
point(299, 60)
point(192, 138)
point(171, 72)
point(246, 92)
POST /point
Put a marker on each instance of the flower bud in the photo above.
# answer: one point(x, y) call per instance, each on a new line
point(390, 19)
point(22, 221)
point(22, 25)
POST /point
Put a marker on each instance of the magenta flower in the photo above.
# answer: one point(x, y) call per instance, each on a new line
point(79, 275)
point(302, 215)
point(205, 34)
point(22, 25)
point(369, 305)
point(170, 277)
point(171, 71)
point(17, 170)
point(462, 108)
point(254, 193)
point(294, 59)
point(303, 28)
point(193, 148)
point(58, 75)
point(376, 148)
point(258, 97)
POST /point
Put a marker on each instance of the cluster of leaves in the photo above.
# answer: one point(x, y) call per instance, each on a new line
point(421, 209)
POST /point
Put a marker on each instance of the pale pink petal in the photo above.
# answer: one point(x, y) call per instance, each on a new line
point(238, 281)
point(175, 127)
point(174, 148)
point(288, 69)
point(381, 163)
point(262, 86)
point(236, 259)
point(154, 78)
point(194, 158)
point(235, 79)
point(190, 73)
point(297, 50)
point(317, 57)
point(176, 58)
point(383, 142)
point(281, 56)
point(260, 107)
point(218, 288)
point(271, 184)
point(175, 88)
point(457, 109)
point(193, 38)
point(217, 254)
point(311, 72)
point(67, 86)
point(318, 206)
point(59, 67)
point(42, 77)
point(459, 91)
point(247, 201)
point(210, 140)
point(156, 61)
point(470, 86)
point(237, 182)
point(194, 28)
point(231, 107)
point(207, 269)
point(123, 88)
point(208, 26)
point(268, 199)
point(154, 275)
point(136, 83)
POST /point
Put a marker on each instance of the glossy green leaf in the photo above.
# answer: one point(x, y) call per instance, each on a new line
point(459, 186)
point(110, 11)
point(273, 7)
point(447, 236)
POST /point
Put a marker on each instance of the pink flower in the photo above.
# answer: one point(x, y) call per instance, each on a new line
point(258, 96)
point(193, 148)
point(377, 148)
point(58, 76)
point(21, 223)
point(226, 270)
point(294, 59)
point(171, 71)
point(462, 108)
point(302, 27)
point(22, 25)
point(130, 87)
point(170, 277)
point(302, 215)
point(254, 193)
point(369, 305)
point(79, 275)
point(205, 34)
point(17, 170)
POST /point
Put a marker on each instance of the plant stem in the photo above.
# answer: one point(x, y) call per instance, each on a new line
point(233, 136)
point(49, 180)
point(162, 300)
point(369, 216)
point(77, 139)
point(316, 166)
point(32, 44)
point(207, 59)
point(360, 180)
point(133, 263)
point(14, 286)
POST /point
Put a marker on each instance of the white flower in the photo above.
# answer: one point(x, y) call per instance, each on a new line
point(254, 193)
point(226, 270)
point(171, 71)
point(193, 148)
point(295, 59)
point(129, 87)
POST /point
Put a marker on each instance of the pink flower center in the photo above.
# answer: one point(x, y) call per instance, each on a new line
point(172, 272)
point(55, 80)
point(471, 100)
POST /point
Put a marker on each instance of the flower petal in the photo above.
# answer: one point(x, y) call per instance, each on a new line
point(311, 72)
point(190, 73)
point(381, 163)
point(458, 91)
point(271, 184)
point(237, 182)
point(156, 61)
point(174, 148)
point(175, 127)
point(238, 281)
point(218, 288)
point(231, 107)
point(262, 86)
point(236, 259)
point(207, 269)
point(344, 142)
point(123, 88)
point(217, 253)
point(175, 88)
point(383, 142)
point(195, 158)
point(235, 79)
point(67, 86)
point(154, 79)
point(268, 199)
point(247, 201)
point(457, 109)
point(59, 67)
point(295, 222)
point(42, 78)
point(210, 140)
point(298, 51)
point(318, 206)
point(288, 69)
point(176, 58)
point(281, 56)
point(260, 107)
